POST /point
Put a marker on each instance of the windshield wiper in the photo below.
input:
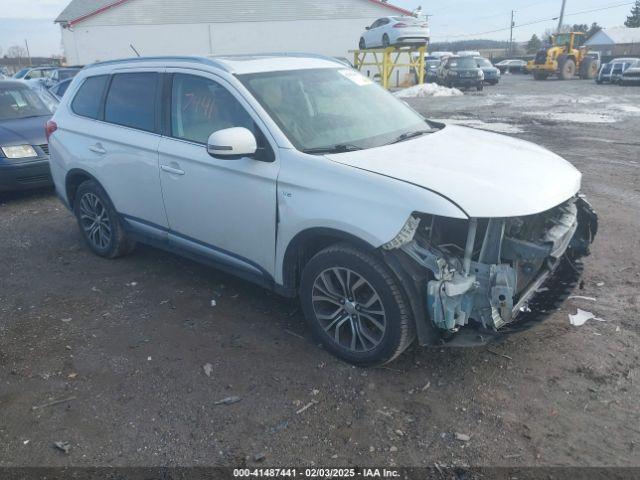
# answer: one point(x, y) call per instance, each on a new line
point(340, 148)
point(409, 135)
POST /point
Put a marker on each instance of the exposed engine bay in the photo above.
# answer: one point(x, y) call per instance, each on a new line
point(483, 272)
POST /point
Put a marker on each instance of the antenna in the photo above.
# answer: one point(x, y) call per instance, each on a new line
point(134, 49)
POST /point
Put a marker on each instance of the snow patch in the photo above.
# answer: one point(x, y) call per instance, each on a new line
point(575, 117)
point(428, 90)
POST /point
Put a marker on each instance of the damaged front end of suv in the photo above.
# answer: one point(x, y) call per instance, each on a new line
point(477, 277)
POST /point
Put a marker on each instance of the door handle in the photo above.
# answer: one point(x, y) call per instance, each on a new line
point(97, 148)
point(173, 171)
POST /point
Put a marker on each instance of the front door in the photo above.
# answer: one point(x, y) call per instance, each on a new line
point(221, 208)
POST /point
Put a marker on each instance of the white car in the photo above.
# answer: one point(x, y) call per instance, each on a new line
point(304, 176)
point(395, 31)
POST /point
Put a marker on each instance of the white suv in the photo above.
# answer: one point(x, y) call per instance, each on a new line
point(304, 176)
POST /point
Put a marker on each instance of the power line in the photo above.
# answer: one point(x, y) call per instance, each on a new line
point(539, 21)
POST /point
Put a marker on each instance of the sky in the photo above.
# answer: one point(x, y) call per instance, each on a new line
point(451, 20)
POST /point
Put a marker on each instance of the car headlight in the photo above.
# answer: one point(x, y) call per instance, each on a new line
point(19, 151)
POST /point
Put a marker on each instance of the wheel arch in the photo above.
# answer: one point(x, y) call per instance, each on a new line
point(304, 245)
point(74, 178)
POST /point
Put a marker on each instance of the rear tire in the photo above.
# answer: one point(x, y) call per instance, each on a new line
point(567, 68)
point(355, 306)
point(99, 223)
point(589, 68)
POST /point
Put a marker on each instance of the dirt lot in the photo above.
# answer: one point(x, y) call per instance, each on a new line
point(127, 340)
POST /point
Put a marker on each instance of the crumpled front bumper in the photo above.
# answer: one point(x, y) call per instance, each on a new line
point(510, 284)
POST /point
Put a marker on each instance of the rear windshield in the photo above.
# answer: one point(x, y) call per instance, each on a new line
point(21, 102)
point(463, 62)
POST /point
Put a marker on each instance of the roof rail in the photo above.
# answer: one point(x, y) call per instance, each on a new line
point(192, 59)
point(276, 54)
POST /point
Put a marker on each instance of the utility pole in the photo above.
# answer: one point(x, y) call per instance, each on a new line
point(513, 24)
point(564, 4)
point(26, 44)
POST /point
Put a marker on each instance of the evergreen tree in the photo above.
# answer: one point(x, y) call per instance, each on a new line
point(534, 44)
point(633, 20)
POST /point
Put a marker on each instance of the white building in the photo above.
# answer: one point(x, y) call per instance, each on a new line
point(98, 30)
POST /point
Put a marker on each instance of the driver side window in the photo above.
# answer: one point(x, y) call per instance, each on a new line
point(200, 106)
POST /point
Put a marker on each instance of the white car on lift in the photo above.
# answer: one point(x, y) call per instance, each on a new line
point(395, 31)
point(300, 174)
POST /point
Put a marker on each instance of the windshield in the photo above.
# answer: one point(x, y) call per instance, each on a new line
point(463, 62)
point(433, 63)
point(562, 40)
point(324, 108)
point(21, 102)
point(484, 63)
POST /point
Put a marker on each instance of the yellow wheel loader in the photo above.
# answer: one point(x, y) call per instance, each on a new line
point(566, 57)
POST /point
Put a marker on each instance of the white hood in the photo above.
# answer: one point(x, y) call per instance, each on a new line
point(485, 174)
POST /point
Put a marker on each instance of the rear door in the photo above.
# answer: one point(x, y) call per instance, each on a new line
point(118, 140)
point(219, 208)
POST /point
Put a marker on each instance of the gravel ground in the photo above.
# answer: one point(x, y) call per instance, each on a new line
point(125, 342)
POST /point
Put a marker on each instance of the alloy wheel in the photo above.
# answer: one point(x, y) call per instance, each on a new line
point(95, 221)
point(349, 309)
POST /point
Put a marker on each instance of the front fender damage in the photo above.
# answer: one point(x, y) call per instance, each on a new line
point(483, 274)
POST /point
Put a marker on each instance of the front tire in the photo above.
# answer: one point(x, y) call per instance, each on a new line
point(386, 43)
point(355, 307)
point(567, 68)
point(362, 44)
point(99, 223)
point(540, 75)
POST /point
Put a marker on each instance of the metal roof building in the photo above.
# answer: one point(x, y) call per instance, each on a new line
point(616, 42)
point(98, 30)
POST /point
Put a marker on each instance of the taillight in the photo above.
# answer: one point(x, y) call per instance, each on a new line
point(400, 25)
point(49, 128)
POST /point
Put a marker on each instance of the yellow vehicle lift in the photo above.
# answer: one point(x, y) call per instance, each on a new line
point(388, 59)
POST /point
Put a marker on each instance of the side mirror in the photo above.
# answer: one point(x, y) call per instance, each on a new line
point(232, 143)
point(367, 28)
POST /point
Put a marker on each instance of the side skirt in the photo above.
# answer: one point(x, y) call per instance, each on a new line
point(170, 241)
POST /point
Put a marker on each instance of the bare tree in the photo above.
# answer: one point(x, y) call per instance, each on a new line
point(16, 52)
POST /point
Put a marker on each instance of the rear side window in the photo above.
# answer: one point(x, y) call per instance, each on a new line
point(131, 100)
point(88, 100)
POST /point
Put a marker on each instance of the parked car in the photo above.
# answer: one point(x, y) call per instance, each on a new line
point(468, 53)
point(612, 72)
point(462, 72)
point(395, 31)
point(60, 88)
point(307, 178)
point(631, 76)
point(24, 154)
point(431, 70)
point(512, 66)
point(34, 73)
point(491, 73)
point(60, 74)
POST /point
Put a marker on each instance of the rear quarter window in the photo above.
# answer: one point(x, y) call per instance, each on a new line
point(131, 100)
point(88, 100)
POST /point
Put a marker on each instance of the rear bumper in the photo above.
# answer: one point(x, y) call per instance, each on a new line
point(24, 176)
point(466, 82)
